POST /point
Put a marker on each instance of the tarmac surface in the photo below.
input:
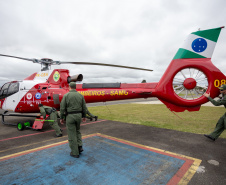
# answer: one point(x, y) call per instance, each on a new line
point(114, 153)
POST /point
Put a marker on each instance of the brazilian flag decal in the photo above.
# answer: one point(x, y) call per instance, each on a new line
point(199, 44)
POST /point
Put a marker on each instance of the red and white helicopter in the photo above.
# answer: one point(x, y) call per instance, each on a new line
point(189, 75)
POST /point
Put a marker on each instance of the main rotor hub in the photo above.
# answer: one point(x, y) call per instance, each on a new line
point(48, 60)
point(190, 83)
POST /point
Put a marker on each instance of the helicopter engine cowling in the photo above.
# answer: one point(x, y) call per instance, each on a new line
point(75, 78)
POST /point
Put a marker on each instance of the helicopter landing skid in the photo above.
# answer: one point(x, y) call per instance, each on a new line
point(36, 125)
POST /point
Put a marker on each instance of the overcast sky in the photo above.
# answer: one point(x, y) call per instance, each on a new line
point(138, 33)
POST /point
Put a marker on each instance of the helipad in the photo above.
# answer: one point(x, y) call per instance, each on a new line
point(105, 160)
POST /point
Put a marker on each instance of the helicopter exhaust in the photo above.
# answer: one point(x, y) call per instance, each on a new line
point(75, 78)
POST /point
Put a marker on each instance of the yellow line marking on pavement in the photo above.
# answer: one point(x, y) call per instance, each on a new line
point(39, 148)
point(31, 144)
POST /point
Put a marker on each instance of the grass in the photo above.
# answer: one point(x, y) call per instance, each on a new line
point(199, 122)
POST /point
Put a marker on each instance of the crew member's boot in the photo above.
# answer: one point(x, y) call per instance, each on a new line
point(209, 137)
point(80, 149)
point(96, 117)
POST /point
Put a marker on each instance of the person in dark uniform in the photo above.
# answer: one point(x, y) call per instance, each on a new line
point(221, 124)
point(90, 116)
point(73, 105)
point(46, 110)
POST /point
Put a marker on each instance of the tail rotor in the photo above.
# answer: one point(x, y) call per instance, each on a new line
point(190, 83)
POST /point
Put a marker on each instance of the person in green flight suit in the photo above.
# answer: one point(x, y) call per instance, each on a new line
point(46, 110)
point(221, 124)
point(90, 116)
point(73, 105)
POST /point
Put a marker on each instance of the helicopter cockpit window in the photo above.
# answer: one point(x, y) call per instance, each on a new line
point(4, 89)
point(13, 88)
point(9, 89)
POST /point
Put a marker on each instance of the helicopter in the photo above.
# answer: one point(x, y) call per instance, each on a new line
point(190, 74)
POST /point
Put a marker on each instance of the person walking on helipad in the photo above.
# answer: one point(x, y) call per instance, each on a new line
point(221, 124)
point(74, 106)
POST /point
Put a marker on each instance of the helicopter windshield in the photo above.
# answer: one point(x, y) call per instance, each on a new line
point(9, 89)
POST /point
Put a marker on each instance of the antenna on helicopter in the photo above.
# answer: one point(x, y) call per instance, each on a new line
point(46, 63)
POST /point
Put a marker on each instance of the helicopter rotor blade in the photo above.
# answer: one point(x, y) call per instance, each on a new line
point(103, 64)
point(48, 62)
point(17, 57)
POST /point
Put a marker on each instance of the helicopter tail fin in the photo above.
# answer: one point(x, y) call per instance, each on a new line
point(199, 44)
point(191, 73)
